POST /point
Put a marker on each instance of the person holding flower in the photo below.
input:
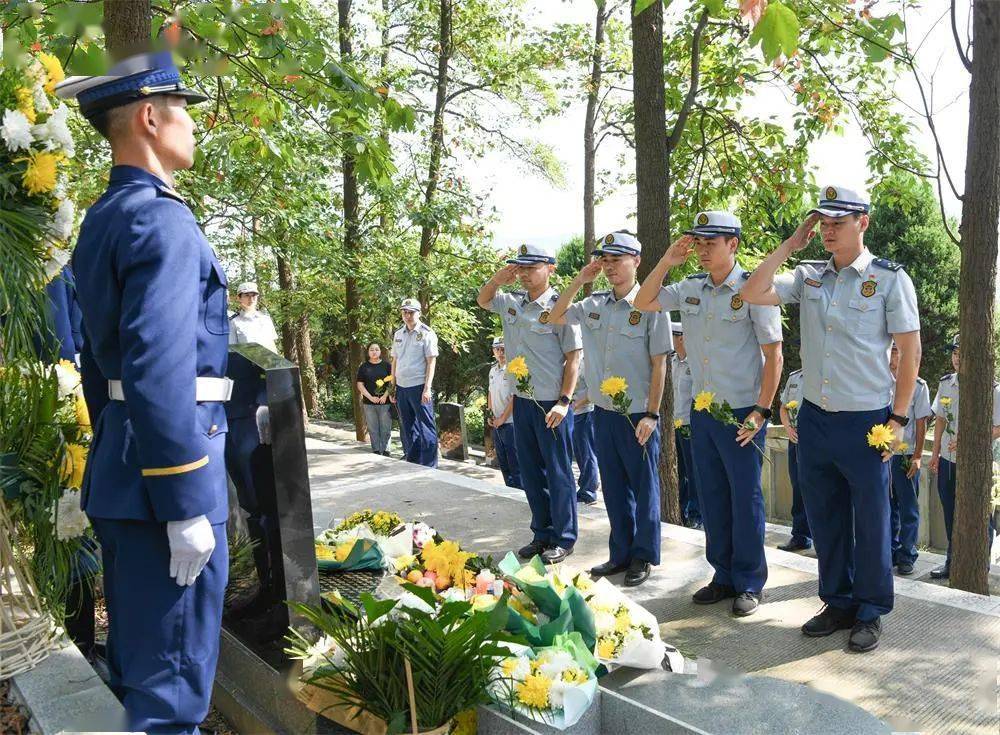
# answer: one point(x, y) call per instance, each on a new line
point(791, 400)
point(945, 452)
point(904, 475)
point(583, 441)
point(735, 353)
point(851, 307)
point(414, 360)
point(372, 382)
point(500, 402)
point(625, 357)
point(154, 303)
point(546, 358)
point(687, 479)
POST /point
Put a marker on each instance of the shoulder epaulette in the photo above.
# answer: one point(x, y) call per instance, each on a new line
point(518, 293)
point(698, 275)
point(424, 327)
point(946, 376)
point(795, 372)
point(233, 315)
point(921, 380)
point(166, 191)
point(887, 264)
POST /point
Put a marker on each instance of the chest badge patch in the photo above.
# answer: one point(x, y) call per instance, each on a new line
point(512, 311)
point(813, 282)
point(543, 318)
point(736, 303)
point(868, 288)
point(420, 336)
point(634, 317)
point(693, 300)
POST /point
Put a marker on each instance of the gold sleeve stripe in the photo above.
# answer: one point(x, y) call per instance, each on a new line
point(178, 470)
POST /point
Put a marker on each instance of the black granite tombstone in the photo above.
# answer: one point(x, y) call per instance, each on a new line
point(453, 439)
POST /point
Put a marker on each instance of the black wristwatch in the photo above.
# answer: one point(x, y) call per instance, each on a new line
point(651, 415)
point(901, 420)
point(564, 400)
point(765, 413)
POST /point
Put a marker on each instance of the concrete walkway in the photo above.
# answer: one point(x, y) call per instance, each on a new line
point(936, 670)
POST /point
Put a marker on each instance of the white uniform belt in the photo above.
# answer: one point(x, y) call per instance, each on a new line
point(206, 389)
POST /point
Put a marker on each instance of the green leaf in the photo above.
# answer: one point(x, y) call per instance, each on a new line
point(715, 8)
point(641, 5)
point(777, 32)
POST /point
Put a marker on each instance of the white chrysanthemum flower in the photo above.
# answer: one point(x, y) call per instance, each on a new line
point(605, 600)
point(54, 132)
point(453, 594)
point(61, 190)
point(323, 652)
point(68, 377)
point(42, 104)
point(16, 131)
point(556, 693)
point(556, 664)
point(515, 668)
point(58, 257)
point(62, 224)
point(67, 516)
point(604, 622)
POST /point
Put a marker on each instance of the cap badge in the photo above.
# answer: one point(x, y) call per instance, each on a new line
point(868, 288)
point(609, 238)
point(831, 193)
point(702, 219)
point(634, 317)
point(524, 250)
point(736, 303)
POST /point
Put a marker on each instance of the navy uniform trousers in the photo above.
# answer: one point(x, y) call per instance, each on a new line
point(905, 512)
point(687, 478)
point(546, 472)
point(732, 501)
point(417, 429)
point(946, 482)
point(631, 484)
point(845, 485)
point(583, 452)
point(163, 660)
point(503, 443)
point(800, 521)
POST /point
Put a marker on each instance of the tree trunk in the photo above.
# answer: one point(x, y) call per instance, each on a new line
point(653, 205)
point(127, 27)
point(428, 228)
point(289, 344)
point(980, 212)
point(383, 68)
point(351, 244)
point(307, 369)
point(589, 145)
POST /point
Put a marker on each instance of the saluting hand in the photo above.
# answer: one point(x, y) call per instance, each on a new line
point(590, 272)
point(802, 235)
point(679, 251)
point(644, 429)
point(506, 275)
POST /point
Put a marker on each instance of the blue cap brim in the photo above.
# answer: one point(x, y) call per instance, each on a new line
point(614, 250)
point(531, 260)
point(713, 232)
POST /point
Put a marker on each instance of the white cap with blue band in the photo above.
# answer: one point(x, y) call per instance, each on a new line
point(839, 201)
point(618, 243)
point(714, 224)
point(529, 254)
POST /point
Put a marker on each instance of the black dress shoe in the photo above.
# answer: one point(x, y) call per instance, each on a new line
point(607, 569)
point(535, 548)
point(638, 572)
point(713, 592)
point(795, 544)
point(829, 620)
point(865, 635)
point(555, 554)
point(586, 501)
point(904, 568)
point(746, 603)
point(942, 572)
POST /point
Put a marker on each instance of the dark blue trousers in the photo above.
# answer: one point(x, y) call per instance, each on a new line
point(416, 426)
point(800, 522)
point(732, 502)
point(631, 484)
point(904, 512)
point(946, 481)
point(503, 443)
point(845, 485)
point(163, 639)
point(546, 472)
point(583, 452)
point(687, 478)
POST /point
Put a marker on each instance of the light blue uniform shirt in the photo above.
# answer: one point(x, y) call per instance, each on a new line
point(618, 340)
point(723, 335)
point(793, 389)
point(920, 408)
point(680, 374)
point(501, 390)
point(411, 348)
point(847, 322)
point(581, 392)
point(948, 388)
point(528, 333)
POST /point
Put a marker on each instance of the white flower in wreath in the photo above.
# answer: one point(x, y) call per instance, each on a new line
point(16, 130)
point(42, 104)
point(68, 377)
point(604, 622)
point(324, 652)
point(68, 518)
point(62, 225)
point(54, 132)
point(58, 257)
point(555, 664)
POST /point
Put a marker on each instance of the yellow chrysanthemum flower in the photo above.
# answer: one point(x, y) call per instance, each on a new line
point(575, 676)
point(465, 723)
point(606, 647)
point(507, 666)
point(903, 447)
point(881, 437)
point(613, 386)
point(53, 70)
point(792, 404)
point(82, 414)
point(945, 401)
point(704, 400)
point(40, 176)
point(534, 691)
point(73, 464)
point(404, 562)
point(515, 604)
point(26, 103)
point(324, 552)
point(344, 550)
point(518, 367)
point(678, 423)
point(623, 621)
point(390, 379)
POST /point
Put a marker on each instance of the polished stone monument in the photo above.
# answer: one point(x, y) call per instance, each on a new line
point(453, 437)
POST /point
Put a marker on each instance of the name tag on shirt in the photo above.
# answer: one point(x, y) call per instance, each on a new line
point(594, 315)
point(813, 282)
point(694, 300)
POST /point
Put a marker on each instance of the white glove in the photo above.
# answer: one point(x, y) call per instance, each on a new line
point(191, 545)
point(264, 424)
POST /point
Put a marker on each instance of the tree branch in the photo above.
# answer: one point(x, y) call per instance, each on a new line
point(682, 116)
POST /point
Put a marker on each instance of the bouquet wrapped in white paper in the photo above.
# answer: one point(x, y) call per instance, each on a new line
point(627, 633)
